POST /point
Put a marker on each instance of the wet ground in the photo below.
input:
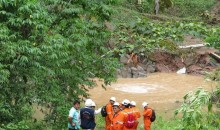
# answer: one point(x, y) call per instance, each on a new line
point(163, 91)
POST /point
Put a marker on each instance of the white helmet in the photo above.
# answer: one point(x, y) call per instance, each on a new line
point(144, 104)
point(113, 99)
point(116, 104)
point(88, 102)
point(93, 104)
point(125, 102)
point(133, 103)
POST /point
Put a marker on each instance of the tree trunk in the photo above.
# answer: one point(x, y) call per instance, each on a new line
point(157, 6)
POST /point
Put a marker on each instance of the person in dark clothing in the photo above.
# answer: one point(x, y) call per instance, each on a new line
point(87, 116)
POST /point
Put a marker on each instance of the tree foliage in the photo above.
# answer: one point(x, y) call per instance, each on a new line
point(194, 111)
point(51, 50)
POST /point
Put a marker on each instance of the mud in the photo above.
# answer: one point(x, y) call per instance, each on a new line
point(197, 61)
point(163, 91)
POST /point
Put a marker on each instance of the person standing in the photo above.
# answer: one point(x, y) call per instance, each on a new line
point(93, 107)
point(87, 116)
point(110, 113)
point(136, 112)
point(129, 116)
point(147, 115)
point(133, 58)
point(118, 118)
point(73, 120)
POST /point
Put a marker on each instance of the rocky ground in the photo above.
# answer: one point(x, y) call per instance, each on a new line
point(197, 61)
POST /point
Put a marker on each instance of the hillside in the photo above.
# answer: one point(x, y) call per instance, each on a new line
point(148, 34)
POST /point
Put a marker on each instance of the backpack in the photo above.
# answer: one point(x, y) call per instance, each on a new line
point(103, 111)
point(153, 117)
point(130, 121)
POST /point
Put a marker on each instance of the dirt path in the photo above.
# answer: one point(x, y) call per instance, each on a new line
point(163, 91)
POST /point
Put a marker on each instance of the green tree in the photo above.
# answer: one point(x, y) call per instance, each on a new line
point(197, 113)
point(51, 50)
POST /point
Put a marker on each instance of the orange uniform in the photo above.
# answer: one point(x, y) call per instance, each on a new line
point(147, 115)
point(137, 113)
point(109, 117)
point(133, 58)
point(117, 121)
point(125, 112)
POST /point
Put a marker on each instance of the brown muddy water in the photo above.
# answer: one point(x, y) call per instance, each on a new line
point(163, 91)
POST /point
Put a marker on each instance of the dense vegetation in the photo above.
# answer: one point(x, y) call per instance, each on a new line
point(144, 36)
point(51, 50)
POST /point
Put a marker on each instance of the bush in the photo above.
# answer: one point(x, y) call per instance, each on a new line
point(185, 8)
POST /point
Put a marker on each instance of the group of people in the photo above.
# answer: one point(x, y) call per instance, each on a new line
point(119, 116)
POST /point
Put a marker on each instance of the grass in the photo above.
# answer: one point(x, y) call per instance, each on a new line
point(100, 122)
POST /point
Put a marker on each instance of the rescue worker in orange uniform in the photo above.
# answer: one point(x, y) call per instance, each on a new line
point(126, 110)
point(147, 115)
point(118, 118)
point(137, 113)
point(110, 113)
point(133, 58)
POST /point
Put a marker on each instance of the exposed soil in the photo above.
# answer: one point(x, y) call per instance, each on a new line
point(191, 40)
point(196, 60)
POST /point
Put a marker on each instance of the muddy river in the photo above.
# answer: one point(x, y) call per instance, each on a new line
point(163, 91)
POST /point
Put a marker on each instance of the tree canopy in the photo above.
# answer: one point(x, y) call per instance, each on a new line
point(51, 50)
